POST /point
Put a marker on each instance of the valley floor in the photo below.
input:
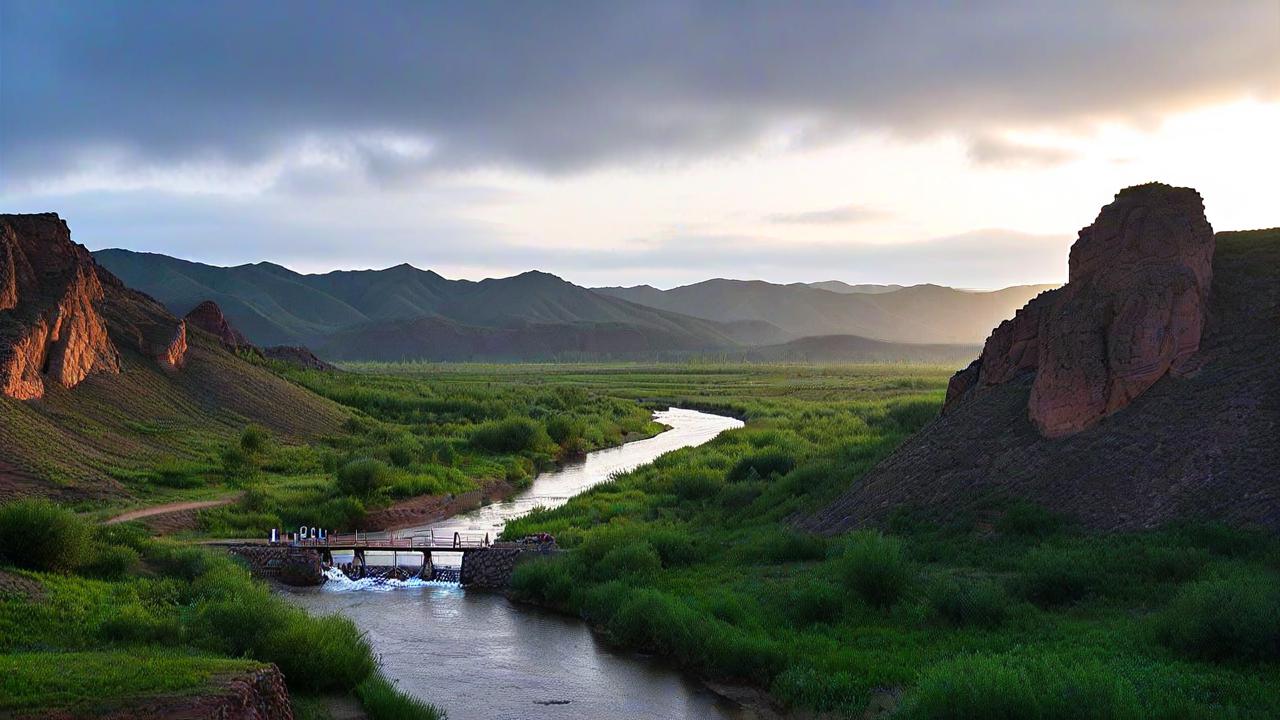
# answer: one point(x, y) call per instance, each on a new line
point(1004, 611)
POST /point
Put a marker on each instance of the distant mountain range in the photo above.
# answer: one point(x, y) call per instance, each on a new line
point(917, 314)
point(404, 313)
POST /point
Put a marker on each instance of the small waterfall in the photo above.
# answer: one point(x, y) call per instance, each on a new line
point(337, 581)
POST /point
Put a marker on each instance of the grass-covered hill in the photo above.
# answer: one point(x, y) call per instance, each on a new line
point(352, 313)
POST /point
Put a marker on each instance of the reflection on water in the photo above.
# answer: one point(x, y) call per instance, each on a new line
point(481, 657)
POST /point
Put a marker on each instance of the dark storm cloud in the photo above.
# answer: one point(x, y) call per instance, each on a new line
point(558, 86)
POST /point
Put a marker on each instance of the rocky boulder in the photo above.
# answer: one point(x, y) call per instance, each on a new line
point(208, 317)
point(296, 355)
point(1132, 311)
point(50, 327)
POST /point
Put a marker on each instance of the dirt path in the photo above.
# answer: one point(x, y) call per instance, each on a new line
point(169, 508)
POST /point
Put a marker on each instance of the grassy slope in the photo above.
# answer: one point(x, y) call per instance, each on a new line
point(694, 558)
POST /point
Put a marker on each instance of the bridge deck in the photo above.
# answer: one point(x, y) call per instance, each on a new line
point(426, 542)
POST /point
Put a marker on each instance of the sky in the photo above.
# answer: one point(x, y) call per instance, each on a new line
point(958, 143)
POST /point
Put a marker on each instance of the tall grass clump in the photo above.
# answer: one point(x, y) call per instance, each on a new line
point(1232, 618)
point(40, 535)
point(762, 465)
point(1058, 576)
point(542, 581)
point(510, 436)
point(363, 476)
point(1001, 687)
point(383, 701)
point(968, 601)
point(874, 566)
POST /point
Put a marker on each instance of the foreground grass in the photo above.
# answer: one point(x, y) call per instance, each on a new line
point(108, 614)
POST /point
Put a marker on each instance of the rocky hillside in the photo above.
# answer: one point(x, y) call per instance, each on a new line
point(93, 372)
point(1143, 391)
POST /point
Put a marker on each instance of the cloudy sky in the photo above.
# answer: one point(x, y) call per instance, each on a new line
point(961, 143)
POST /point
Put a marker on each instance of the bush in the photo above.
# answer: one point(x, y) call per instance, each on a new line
point(635, 562)
point(320, 654)
point(1010, 688)
point(40, 535)
point(808, 602)
point(874, 567)
point(382, 701)
point(510, 436)
point(792, 546)
point(656, 622)
point(1057, 576)
point(363, 476)
point(1028, 520)
point(177, 561)
point(543, 581)
point(975, 602)
point(1230, 618)
point(765, 464)
point(112, 562)
point(564, 430)
point(133, 624)
point(254, 439)
point(695, 484)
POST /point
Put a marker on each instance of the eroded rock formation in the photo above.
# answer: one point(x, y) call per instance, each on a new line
point(208, 317)
point(296, 355)
point(1132, 311)
point(50, 327)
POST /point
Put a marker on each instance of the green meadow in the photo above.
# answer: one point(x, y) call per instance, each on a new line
point(1004, 610)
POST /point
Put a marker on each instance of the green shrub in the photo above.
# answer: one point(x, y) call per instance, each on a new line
point(807, 602)
point(40, 535)
point(542, 581)
point(254, 439)
point(695, 483)
point(1028, 520)
point(132, 623)
point(320, 654)
point(635, 562)
point(112, 562)
point(965, 601)
point(675, 546)
point(1058, 576)
point(563, 429)
point(1003, 687)
point(382, 701)
point(786, 545)
point(874, 567)
point(510, 436)
point(363, 476)
point(763, 465)
point(1237, 617)
point(656, 622)
point(404, 452)
point(175, 473)
point(178, 561)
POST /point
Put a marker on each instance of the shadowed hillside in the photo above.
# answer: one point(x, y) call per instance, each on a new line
point(384, 314)
point(918, 314)
point(168, 396)
point(1199, 443)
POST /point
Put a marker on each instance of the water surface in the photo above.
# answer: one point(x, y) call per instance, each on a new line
point(481, 657)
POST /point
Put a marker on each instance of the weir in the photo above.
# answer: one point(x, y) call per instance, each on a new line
point(306, 558)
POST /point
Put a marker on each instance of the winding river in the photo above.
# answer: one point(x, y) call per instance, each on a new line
point(481, 657)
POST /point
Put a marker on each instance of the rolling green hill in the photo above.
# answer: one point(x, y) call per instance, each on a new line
point(406, 313)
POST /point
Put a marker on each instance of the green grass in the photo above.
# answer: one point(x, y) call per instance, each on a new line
point(104, 678)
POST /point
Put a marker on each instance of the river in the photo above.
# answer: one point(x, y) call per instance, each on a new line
point(481, 657)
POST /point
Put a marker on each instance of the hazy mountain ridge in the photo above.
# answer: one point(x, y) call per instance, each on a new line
point(917, 314)
point(364, 314)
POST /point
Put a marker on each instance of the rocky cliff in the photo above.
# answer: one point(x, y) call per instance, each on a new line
point(1139, 394)
point(1132, 311)
point(50, 327)
point(208, 317)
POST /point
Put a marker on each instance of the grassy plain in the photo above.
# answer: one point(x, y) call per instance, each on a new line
point(1005, 612)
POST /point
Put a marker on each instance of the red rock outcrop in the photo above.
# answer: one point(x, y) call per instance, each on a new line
point(1132, 311)
point(296, 355)
point(50, 328)
point(208, 317)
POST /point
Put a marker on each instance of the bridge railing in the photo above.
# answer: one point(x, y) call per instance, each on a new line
point(433, 540)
